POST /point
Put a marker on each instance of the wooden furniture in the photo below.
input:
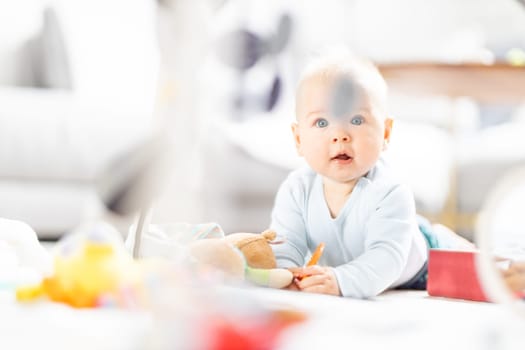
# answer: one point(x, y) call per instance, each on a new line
point(495, 83)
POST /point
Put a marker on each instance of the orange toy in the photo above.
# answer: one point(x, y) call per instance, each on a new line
point(315, 258)
point(316, 255)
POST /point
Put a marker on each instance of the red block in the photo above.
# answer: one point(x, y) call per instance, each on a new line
point(453, 274)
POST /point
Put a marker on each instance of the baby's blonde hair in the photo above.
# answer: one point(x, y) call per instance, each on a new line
point(339, 62)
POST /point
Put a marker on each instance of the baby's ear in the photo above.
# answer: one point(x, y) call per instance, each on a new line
point(297, 137)
point(389, 122)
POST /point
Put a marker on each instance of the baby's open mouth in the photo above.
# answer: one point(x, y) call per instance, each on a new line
point(342, 156)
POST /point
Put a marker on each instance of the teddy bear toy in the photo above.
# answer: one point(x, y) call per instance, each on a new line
point(243, 256)
point(256, 248)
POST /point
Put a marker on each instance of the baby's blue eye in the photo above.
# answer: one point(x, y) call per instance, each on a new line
point(357, 120)
point(321, 123)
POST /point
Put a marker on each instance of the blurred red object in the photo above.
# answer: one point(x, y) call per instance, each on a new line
point(260, 333)
point(453, 274)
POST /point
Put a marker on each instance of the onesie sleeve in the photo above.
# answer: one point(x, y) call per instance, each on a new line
point(288, 222)
point(388, 238)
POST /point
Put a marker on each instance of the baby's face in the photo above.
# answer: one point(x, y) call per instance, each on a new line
point(339, 148)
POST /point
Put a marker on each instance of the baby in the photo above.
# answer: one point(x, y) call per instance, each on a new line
point(347, 198)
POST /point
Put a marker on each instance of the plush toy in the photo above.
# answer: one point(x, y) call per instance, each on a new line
point(256, 248)
point(243, 256)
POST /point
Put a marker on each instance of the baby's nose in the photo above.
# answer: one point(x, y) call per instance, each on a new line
point(344, 138)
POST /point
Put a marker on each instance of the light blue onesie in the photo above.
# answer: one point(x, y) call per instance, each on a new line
point(373, 244)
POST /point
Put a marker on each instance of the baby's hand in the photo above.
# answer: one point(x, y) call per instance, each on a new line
point(292, 286)
point(316, 279)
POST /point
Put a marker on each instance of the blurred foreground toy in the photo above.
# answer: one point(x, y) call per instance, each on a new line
point(254, 331)
point(453, 274)
point(90, 268)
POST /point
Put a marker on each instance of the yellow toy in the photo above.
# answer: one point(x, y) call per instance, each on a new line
point(86, 270)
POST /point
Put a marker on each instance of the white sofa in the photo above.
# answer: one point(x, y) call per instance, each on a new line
point(74, 95)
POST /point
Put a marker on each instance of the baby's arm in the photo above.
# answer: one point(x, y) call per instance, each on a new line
point(288, 222)
point(389, 235)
